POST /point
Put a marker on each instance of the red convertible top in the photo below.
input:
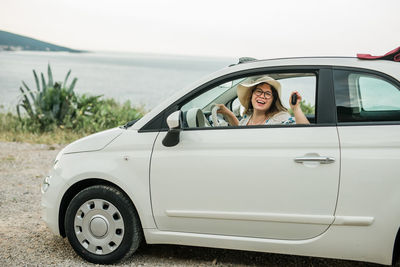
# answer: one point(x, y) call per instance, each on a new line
point(393, 55)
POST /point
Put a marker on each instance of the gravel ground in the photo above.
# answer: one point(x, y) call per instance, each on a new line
point(26, 241)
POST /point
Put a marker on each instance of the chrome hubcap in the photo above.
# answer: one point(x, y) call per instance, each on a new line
point(99, 226)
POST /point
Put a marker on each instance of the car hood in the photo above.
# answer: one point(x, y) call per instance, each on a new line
point(93, 142)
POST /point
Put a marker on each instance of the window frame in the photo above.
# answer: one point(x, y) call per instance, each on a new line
point(325, 108)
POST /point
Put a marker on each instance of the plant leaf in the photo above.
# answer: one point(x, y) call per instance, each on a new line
point(71, 87)
point(50, 74)
point(36, 80)
point(44, 86)
point(18, 112)
point(26, 104)
point(66, 78)
point(29, 91)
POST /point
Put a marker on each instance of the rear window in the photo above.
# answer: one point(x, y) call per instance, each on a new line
point(364, 97)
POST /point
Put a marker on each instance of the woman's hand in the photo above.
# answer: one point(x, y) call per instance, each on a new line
point(228, 114)
point(222, 109)
point(298, 113)
point(297, 105)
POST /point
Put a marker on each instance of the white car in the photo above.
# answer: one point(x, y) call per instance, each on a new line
point(181, 175)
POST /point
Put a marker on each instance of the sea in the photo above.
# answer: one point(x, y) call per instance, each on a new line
point(143, 79)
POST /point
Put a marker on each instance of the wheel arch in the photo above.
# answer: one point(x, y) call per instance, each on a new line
point(396, 248)
point(75, 189)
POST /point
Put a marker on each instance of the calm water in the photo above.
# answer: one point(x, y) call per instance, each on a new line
point(142, 79)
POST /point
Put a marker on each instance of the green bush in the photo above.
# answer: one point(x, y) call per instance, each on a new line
point(56, 105)
point(95, 114)
point(305, 107)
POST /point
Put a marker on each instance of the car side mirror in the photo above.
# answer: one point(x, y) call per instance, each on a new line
point(174, 124)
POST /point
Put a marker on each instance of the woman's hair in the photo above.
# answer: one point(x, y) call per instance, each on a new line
point(276, 105)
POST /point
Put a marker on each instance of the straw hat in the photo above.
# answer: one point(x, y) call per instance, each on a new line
point(244, 89)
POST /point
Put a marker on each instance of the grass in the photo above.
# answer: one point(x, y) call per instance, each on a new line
point(13, 130)
point(108, 114)
point(58, 136)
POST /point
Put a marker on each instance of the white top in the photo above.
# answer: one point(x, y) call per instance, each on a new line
point(279, 118)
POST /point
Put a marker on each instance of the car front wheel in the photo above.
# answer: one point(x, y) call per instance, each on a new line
point(102, 225)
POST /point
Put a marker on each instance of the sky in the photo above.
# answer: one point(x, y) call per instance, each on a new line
point(224, 28)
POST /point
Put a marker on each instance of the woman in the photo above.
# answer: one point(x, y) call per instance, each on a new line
point(261, 100)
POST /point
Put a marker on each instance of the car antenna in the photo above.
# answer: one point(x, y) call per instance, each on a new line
point(243, 60)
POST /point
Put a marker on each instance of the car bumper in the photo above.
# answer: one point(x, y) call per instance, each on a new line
point(50, 204)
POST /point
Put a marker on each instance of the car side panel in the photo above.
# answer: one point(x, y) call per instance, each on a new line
point(339, 242)
point(125, 162)
point(210, 183)
point(370, 181)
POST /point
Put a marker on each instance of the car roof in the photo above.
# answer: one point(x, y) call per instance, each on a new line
point(320, 60)
point(243, 60)
point(390, 68)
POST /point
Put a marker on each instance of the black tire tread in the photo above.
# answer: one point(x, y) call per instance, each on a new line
point(123, 203)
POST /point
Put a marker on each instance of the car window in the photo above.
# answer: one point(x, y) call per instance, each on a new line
point(363, 97)
point(237, 108)
point(205, 98)
point(377, 94)
point(197, 110)
point(306, 86)
point(210, 96)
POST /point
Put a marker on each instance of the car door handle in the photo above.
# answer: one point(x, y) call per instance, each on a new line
point(320, 159)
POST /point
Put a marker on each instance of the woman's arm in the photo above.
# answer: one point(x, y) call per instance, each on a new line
point(228, 115)
point(298, 113)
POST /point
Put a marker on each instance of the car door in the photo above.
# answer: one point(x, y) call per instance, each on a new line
point(265, 181)
point(368, 109)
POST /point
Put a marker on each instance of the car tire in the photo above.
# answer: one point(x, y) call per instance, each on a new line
point(102, 225)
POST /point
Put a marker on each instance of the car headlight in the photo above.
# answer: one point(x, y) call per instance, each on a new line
point(46, 180)
point(57, 159)
point(45, 184)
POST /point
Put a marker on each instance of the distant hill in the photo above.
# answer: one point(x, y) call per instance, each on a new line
point(15, 42)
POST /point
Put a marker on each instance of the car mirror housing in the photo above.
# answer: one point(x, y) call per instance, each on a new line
point(173, 120)
point(174, 124)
